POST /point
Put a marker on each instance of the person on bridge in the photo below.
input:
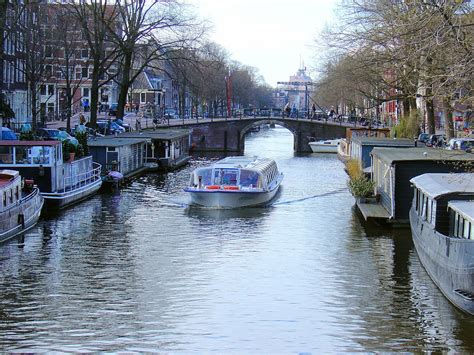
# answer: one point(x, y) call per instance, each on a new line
point(287, 110)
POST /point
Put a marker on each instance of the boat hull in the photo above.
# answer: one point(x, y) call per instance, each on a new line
point(231, 199)
point(448, 261)
point(60, 200)
point(318, 147)
point(29, 207)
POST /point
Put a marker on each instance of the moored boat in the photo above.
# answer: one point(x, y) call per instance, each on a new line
point(61, 183)
point(325, 146)
point(235, 182)
point(20, 208)
point(442, 225)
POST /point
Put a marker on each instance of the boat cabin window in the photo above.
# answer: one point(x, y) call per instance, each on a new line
point(40, 154)
point(206, 175)
point(6, 155)
point(424, 206)
point(226, 176)
point(21, 155)
point(4, 199)
point(460, 227)
point(248, 178)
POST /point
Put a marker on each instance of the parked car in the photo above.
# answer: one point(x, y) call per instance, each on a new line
point(466, 144)
point(436, 140)
point(423, 137)
point(109, 127)
point(113, 109)
point(121, 123)
point(8, 134)
point(171, 113)
point(55, 135)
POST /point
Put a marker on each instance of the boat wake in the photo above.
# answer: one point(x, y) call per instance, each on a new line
point(329, 193)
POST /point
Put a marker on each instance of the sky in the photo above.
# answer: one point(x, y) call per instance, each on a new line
point(274, 36)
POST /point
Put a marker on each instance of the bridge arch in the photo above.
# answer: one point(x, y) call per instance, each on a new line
point(256, 123)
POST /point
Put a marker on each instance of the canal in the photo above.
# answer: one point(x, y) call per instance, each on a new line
point(140, 270)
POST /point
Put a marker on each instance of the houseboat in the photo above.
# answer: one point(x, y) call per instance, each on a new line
point(361, 147)
point(235, 182)
point(344, 148)
point(61, 183)
point(325, 146)
point(392, 169)
point(165, 149)
point(21, 206)
point(120, 158)
point(442, 226)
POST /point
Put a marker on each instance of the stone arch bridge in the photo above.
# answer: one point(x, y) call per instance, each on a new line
point(228, 135)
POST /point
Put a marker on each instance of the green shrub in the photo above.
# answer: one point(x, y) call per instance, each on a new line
point(361, 186)
point(408, 126)
point(82, 139)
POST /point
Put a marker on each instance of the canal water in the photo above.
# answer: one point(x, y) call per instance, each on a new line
point(140, 270)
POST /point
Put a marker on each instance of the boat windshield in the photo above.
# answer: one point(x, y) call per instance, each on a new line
point(226, 176)
point(205, 175)
point(248, 178)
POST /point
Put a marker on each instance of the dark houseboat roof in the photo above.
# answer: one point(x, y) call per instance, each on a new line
point(113, 141)
point(28, 143)
point(161, 134)
point(435, 185)
point(391, 155)
point(386, 142)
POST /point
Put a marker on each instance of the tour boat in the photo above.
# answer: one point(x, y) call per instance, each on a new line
point(61, 183)
point(442, 225)
point(235, 182)
point(325, 146)
point(20, 208)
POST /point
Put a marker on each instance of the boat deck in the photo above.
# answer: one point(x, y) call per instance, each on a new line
point(372, 210)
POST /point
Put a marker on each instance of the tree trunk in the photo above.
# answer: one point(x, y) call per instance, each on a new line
point(124, 85)
point(430, 118)
point(448, 119)
point(34, 112)
point(94, 98)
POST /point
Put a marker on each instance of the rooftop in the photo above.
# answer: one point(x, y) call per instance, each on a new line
point(163, 134)
point(435, 185)
point(112, 141)
point(391, 155)
point(386, 142)
point(465, 208)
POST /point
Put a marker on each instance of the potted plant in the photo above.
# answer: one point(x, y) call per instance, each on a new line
point(69, 150)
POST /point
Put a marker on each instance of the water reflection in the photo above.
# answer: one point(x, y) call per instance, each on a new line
point(141, 270)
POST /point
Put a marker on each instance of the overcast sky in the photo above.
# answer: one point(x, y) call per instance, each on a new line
point(271, 35)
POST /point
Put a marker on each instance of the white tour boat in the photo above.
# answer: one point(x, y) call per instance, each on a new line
point(20, 208)
point(325, 146)
point(235, 182)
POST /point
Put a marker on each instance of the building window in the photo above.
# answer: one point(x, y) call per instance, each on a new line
point(142, 98)
point(85, 92)
point(84, 72)
point(84, 53)
point(50, 89)
point(43, 90)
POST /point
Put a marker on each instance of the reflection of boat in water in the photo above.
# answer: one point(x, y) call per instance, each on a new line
point(224, 214)
point(20, 208)
point(325, 146)
point(442, 225)
point(235, 182)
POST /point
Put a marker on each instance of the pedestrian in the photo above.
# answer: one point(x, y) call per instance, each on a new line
point(314, 110)
point(82, 119)
point(137, 107)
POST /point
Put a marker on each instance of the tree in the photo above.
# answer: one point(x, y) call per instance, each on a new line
point(99, 22)
point(151, 31)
